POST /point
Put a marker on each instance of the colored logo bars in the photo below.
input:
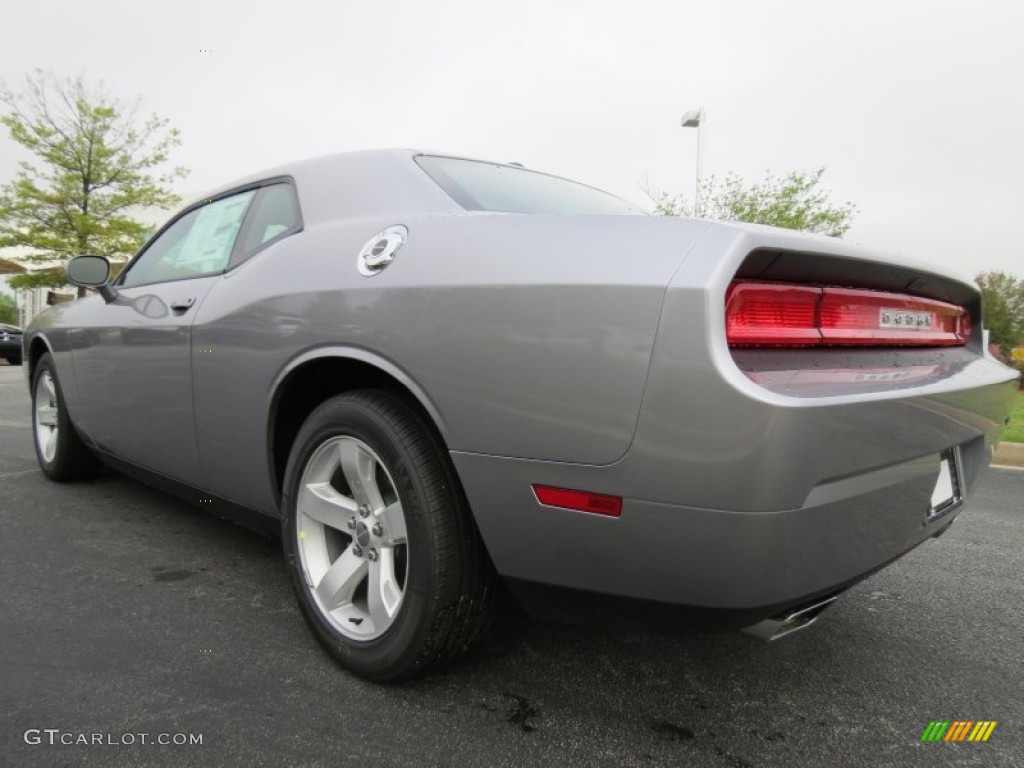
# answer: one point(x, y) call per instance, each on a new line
point(958, 730)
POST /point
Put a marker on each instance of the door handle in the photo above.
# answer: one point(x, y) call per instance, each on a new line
point(182, 305)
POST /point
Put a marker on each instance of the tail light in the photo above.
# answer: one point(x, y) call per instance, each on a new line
point(785, 315)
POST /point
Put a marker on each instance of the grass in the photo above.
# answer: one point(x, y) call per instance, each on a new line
point(1014, 432)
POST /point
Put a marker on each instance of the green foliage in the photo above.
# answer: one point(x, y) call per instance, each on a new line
point(1014, 432)
point(1002, 305)
point(794, 201)
point(8, 310)
point(96, 162)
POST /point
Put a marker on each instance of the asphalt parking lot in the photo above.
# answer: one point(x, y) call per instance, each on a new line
point(124, 611)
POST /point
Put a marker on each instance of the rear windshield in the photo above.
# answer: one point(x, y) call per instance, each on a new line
point(478, 186)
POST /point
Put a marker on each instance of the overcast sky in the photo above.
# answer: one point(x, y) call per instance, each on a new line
point(915, 108)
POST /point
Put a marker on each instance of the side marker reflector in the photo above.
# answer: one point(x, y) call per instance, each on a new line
point(581, 501)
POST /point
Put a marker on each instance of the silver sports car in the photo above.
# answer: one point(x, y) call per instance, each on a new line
point(434, 376)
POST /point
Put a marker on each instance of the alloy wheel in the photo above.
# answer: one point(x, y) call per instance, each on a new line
point(351, 538)
point(46, 416)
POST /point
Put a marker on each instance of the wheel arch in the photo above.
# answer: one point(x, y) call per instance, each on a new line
point(38, 347)
point(315, 376)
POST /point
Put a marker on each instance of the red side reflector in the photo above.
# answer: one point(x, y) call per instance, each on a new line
point(581, 501)
point(783, 315)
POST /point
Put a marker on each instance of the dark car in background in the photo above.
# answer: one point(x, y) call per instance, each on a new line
point(10, 343)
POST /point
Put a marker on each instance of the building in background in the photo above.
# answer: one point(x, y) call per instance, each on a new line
point(32, 301)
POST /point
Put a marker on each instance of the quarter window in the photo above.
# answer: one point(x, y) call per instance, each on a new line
point(199, 243)
point(274, 215)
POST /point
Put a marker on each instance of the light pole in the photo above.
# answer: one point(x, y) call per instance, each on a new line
point(694, 118)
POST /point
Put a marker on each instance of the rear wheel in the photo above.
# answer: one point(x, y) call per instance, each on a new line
point(386, 562)
point(62, 454)
point(14, 359)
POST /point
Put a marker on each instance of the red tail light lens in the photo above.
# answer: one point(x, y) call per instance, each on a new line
point(783, 315)
point(852, 317)
point(761, 314)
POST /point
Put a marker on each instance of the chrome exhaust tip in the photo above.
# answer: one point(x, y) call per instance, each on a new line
point(791, 621)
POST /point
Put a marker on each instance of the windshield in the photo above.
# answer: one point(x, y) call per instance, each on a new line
point(479, 186)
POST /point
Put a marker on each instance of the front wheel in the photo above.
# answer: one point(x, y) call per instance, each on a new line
point(387, 564)
point(61, 453)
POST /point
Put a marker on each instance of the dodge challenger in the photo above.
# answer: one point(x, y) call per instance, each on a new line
point(434, 376)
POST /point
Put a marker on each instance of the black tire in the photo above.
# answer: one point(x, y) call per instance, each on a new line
point(448, 581)
point(71, 460)
point(15, 360)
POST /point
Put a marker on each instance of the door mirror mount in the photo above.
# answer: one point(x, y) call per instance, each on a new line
point(91, 271)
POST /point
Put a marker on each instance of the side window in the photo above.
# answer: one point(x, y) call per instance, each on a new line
point(274, 215)
point(199, 243)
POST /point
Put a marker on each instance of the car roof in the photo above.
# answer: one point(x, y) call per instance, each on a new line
point(361, 184)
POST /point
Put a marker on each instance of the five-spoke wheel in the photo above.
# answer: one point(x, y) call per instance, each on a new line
point(47, 429)
point(61, 453)
point(386, 562)
point(352, 538)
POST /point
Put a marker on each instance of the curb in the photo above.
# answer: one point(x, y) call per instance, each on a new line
point(1009, 455)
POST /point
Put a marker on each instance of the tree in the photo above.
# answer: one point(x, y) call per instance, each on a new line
point(794, 201)
point(97, 163)
point(8, 310)
point(1002, 304)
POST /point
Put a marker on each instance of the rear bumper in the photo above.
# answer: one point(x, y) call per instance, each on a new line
point(751, 563)
point(741, 499)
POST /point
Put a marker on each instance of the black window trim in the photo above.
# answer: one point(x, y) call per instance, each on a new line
point(253, 186)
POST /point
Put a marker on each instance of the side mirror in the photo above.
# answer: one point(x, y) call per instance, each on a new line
point(91, 272)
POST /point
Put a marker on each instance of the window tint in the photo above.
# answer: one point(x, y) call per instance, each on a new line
point(199, 243)
point(478, 186)
point(274, 215)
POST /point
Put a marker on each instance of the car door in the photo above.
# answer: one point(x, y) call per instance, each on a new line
point(248, 340)
point(133, 359)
